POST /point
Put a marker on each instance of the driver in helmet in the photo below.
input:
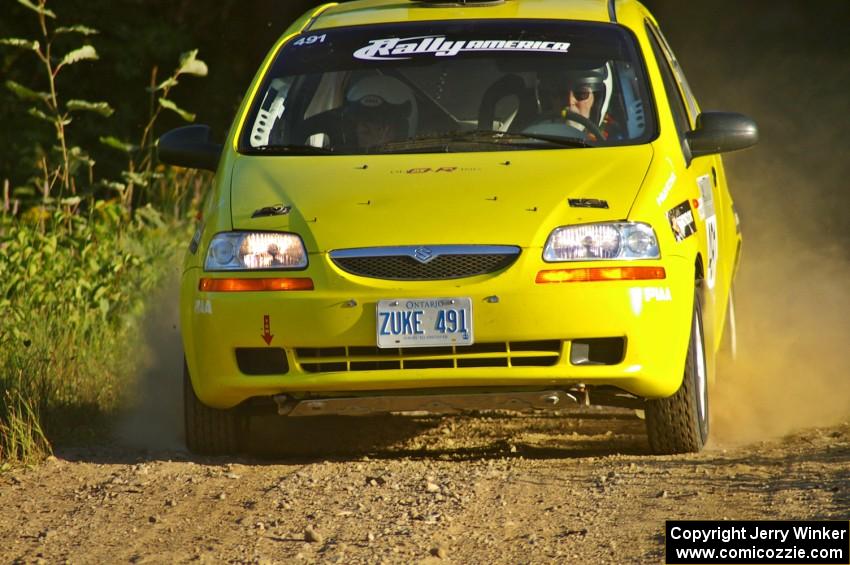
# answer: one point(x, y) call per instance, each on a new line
point(379, 110)
point(585, 93)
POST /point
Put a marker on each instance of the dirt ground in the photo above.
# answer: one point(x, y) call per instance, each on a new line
point(575, 486)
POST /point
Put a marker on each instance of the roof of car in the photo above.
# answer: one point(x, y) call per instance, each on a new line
point(360, 12)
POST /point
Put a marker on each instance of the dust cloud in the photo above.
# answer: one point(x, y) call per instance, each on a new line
point(793, 317)
point(155, 418)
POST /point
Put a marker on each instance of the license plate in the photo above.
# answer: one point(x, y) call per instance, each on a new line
point(424, 322)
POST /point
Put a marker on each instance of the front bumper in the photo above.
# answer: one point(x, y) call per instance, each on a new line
point(653, 317)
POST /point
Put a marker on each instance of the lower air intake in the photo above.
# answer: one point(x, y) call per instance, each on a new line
point(257, 361)
point(501, 354)
point(598, 351)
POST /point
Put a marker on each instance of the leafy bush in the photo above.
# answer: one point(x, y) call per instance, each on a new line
point(72, 292)
point(80, 255)
point(68, 169)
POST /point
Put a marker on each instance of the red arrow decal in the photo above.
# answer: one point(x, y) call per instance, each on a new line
point(267, 333)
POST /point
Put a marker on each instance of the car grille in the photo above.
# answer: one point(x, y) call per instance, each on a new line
point(503, 354)
point(425, 263)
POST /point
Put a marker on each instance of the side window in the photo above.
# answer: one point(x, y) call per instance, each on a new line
point(677, 71)
point(677, 106)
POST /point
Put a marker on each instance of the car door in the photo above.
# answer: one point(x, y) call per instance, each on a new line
point(712, 204)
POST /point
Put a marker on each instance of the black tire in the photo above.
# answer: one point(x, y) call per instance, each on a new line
point(209, 431)
point(679, 424)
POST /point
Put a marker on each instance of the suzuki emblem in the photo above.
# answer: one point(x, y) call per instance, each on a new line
point(423, 254)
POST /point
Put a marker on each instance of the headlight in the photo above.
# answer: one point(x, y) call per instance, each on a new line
point(624, 240)
point(245, 251)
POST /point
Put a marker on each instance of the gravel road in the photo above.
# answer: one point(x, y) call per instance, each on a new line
point(576, 487)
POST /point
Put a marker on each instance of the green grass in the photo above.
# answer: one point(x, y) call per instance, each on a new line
point(21, 435)
point(73, 291)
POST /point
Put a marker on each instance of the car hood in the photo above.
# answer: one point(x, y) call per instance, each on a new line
point(511, 198)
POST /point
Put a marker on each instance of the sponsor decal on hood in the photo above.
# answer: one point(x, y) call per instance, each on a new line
point(400, 48)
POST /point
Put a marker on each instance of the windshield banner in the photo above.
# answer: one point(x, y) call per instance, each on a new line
point(400, 48)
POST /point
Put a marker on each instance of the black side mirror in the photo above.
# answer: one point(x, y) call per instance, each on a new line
point(191, 147)
point(720, 132)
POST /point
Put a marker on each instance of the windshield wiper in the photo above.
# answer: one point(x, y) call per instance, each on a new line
point(288, 150)
point(490, 137)
point(554, 139)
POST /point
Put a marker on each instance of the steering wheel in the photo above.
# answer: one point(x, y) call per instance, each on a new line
point(558, 124)
point(587, 123)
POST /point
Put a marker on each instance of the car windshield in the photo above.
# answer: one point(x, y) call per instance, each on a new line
point(473, 85)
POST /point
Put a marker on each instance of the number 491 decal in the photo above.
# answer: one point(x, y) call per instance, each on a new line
point(311, 40)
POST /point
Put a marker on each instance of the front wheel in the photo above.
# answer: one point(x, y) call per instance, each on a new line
point(209, 431)
point(679, 424)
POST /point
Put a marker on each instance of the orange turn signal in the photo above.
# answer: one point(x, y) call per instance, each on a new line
point(254, 285)
point(601, 274)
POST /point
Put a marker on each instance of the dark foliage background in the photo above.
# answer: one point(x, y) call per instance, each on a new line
point(135, 36)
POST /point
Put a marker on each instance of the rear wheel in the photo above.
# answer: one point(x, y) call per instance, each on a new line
point(679, 424)
point(209, 431)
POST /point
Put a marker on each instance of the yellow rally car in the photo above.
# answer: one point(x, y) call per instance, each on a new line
point(448, 206)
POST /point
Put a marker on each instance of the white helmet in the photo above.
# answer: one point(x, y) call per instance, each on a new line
point(599, 79)
point(383, 98)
